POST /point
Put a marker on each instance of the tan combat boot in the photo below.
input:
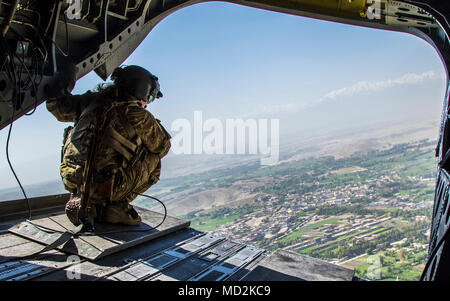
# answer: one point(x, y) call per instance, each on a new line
point(115, 214)
point(72, 208)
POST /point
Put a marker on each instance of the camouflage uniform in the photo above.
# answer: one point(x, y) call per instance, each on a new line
point(135, 169)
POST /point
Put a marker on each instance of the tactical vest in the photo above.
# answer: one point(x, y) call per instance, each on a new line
point(130, 147)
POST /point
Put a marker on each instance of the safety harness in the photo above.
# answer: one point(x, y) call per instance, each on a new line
point(128, 149)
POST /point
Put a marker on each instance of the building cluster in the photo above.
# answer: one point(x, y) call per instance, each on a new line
point(292, 223)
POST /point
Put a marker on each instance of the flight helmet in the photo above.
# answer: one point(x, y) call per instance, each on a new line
point(137, 82)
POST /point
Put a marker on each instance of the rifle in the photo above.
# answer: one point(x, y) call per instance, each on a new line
point(86, 214)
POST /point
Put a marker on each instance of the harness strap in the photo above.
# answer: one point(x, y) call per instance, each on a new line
point(118, 142)
point(118, 148)
point(121, 139)
point(131, 132)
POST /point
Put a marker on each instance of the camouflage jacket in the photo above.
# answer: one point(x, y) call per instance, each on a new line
point(139, 169)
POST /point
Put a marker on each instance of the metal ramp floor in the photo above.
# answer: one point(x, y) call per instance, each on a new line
point(173, 252)
point(105, 240)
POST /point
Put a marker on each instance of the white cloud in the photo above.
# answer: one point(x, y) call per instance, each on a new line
point(356, 89)
point(374, 86)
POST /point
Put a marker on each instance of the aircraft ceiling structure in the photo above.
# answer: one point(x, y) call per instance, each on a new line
point(39, 38)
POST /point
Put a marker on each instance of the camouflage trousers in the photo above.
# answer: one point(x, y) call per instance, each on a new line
point(129, 181)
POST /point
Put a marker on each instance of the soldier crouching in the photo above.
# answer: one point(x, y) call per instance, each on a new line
point(114, 150)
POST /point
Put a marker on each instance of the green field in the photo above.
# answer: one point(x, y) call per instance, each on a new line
point(297, 235)
point(392, 266)
point(211, 224)
point(392, 180)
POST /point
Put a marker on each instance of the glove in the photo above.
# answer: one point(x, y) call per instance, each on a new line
point(64, 81)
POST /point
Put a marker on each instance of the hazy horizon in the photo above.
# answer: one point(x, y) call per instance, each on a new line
point(261, 65)
point(295, 149)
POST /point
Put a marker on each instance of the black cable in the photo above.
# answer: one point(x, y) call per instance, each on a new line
point(12, 169)
point(4, 63)
point(36, 30)
point(164, 206)
point(50, 230)
point(11, 67)
point(137, 230)
point(31, 80)
point(79, 234)
point(56, 45)
point(14, 79)
point(44, 56)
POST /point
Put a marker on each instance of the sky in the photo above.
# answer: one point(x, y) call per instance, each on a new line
point(231, 61)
